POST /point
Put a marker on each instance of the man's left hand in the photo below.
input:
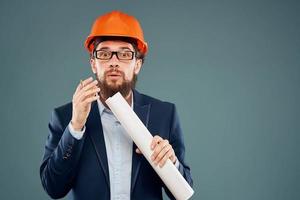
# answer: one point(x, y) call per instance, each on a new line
point(162, 151)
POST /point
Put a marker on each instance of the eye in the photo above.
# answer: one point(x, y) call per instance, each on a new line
point(104, 54)
point(125, 54)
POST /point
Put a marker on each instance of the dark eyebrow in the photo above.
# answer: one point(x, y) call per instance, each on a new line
point(125, 48)
point(104, 48)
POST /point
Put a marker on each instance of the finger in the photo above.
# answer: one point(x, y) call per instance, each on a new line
point(87, 81)
point(138, 151)
point(156, 139)
point(78, 87)
point(81, 95)
point(173, 157)
point(82, 83)
point(87, 87)
point(90, 100)
point(81, 87)
point(89, 93)
point(91, 85)
point(165, 158)
point(162, 153)
point(158, 148)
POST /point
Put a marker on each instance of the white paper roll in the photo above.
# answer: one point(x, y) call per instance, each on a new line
point(135, 128)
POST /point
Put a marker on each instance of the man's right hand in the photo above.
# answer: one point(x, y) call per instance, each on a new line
point(86, 92)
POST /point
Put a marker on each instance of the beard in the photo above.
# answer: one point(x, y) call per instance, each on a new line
point(107, 90)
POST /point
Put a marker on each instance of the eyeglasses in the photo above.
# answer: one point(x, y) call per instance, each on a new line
point(107, 55)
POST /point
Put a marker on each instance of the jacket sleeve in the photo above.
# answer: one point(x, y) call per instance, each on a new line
point(177, 142)
point(62, 153)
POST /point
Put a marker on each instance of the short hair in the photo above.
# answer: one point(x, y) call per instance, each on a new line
point(97, 40)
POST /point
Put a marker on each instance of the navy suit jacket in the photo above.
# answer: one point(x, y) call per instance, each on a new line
point(79, 168)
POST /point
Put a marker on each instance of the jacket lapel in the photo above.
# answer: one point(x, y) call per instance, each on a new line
point(95, 132)
point(142, 111)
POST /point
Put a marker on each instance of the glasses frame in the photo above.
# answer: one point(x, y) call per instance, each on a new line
point(114, 53)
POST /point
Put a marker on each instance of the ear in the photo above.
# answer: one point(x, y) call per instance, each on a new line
point(138, 66)
point(93, 65)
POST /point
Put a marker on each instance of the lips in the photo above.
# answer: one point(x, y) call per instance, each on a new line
point(113, 73)
point(114, 76)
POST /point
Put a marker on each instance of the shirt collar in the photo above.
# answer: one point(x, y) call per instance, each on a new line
point(102, 108)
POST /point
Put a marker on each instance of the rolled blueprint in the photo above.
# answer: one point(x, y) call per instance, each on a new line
point(135, 128)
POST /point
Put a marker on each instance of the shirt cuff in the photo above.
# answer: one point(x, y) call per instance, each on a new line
point(177, 163)
point(76, 134)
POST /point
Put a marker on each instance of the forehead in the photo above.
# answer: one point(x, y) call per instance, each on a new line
point(114, 45)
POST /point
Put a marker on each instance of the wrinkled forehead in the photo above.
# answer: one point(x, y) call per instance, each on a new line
point(114, 45)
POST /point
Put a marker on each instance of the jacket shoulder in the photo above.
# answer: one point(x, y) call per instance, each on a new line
point(157, 103)
point(65, 108)
point(63, 114)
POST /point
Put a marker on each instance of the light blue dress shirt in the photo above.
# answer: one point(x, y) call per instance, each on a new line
point(119, 154)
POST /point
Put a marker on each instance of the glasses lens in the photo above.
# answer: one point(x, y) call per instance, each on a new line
point(125, 55)
point(103, 55)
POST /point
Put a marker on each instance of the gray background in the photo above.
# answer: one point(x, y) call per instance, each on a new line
point(231, 67)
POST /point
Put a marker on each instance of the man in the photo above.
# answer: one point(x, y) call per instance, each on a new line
point(88, 154)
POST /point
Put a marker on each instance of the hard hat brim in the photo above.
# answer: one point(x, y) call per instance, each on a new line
point(142, 46)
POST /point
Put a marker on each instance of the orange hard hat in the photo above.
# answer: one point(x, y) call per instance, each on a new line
point(117, 23)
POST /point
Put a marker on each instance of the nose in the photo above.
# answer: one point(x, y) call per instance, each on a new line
point(114, 61)
point(114, 67)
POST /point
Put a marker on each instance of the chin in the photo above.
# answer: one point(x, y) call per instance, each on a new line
point(115, 83)
point(114, 86)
